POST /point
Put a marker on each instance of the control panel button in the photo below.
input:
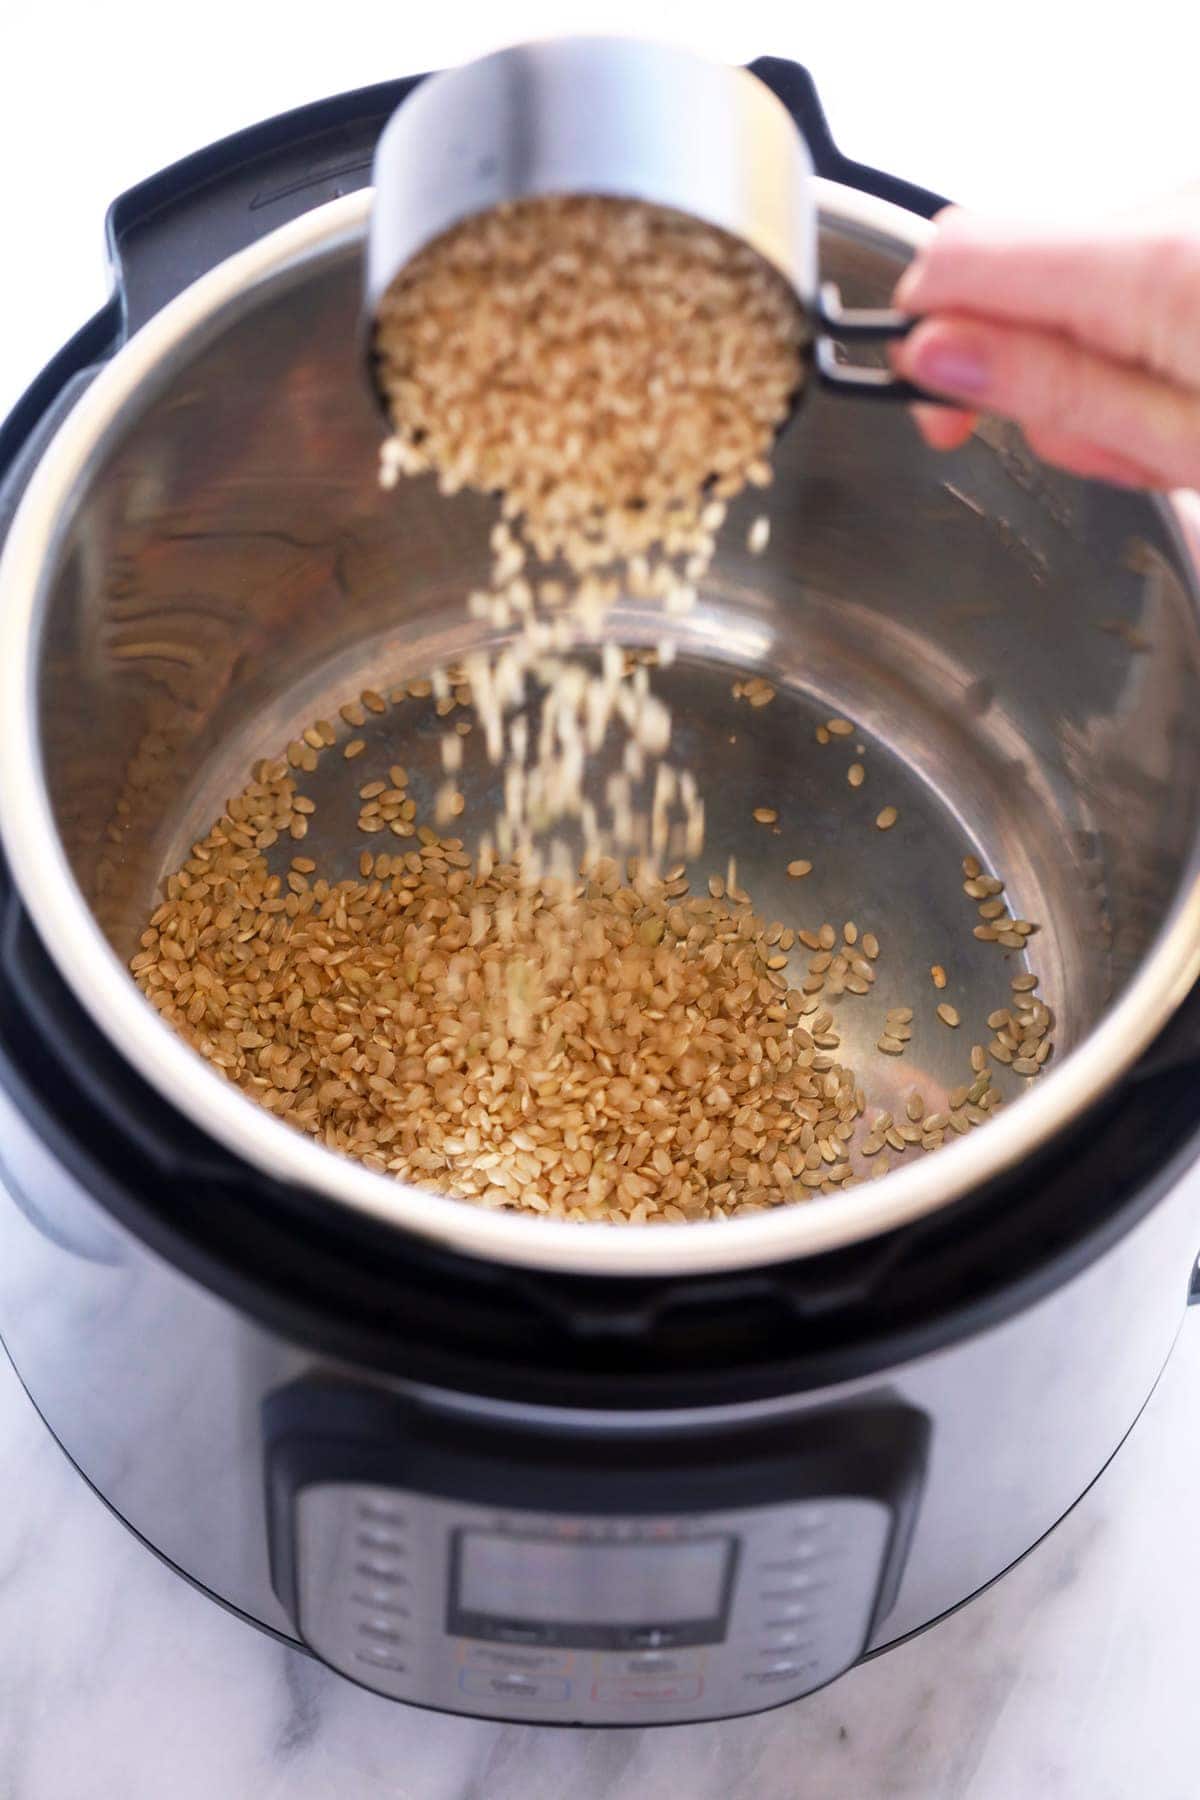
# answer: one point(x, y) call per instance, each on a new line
point(498, 1685)
point(380, 1600)
point(382, 1512)
point(379, 1659)
point(787, 1670)
point(800, 1558)
point(503, 1656)
point(386, 1630)
point(508, 1633)
point(796, 1581)
point(374, 1568)
point(654, 1662)
point(648, 1690)
point(790, 1612)
point(379, 1537)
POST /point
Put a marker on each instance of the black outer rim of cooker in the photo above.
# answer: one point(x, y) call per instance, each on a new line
point(346, 1287)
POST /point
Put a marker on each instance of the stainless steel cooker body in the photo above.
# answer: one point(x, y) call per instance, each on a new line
point(202, 561)
point(187, 1415)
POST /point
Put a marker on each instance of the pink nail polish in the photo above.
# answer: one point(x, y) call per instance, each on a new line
point(952, 368)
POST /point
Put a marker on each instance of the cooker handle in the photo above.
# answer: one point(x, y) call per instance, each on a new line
point(178, 224)
point(46, 402)
point(184, 220)
point(19, 455)
point(793, 84)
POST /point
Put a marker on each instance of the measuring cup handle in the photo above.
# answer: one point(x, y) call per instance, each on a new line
point(840, 324)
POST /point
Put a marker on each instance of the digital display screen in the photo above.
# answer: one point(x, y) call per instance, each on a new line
point(585, 1591)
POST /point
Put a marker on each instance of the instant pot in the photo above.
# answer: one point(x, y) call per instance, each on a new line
point(505, 1466)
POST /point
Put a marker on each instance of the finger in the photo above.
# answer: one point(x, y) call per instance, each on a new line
point(943, 427)
point(1047, 383)
point(1128, 287)
point(1079, 457)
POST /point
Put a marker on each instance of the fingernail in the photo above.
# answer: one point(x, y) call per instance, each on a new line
point(909, 283)
point(949, 367)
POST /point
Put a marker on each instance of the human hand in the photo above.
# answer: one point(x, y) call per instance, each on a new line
point(1087, 335)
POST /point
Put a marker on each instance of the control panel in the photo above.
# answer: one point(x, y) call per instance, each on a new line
point(585, 1576)
point(589, 1619)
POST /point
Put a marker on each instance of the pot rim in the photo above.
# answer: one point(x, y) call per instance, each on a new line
point(101, 982)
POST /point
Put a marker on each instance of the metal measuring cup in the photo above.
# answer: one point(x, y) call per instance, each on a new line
point(627, 119)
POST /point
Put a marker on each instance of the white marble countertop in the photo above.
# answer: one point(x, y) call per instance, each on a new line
point(1074, 1676)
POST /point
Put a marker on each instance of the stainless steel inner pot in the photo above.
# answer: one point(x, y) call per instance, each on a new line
point(204, 561)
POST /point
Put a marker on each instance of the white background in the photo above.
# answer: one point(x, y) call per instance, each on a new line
point(1074, 1678)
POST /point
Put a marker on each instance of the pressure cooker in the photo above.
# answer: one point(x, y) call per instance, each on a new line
point(515, 1467)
